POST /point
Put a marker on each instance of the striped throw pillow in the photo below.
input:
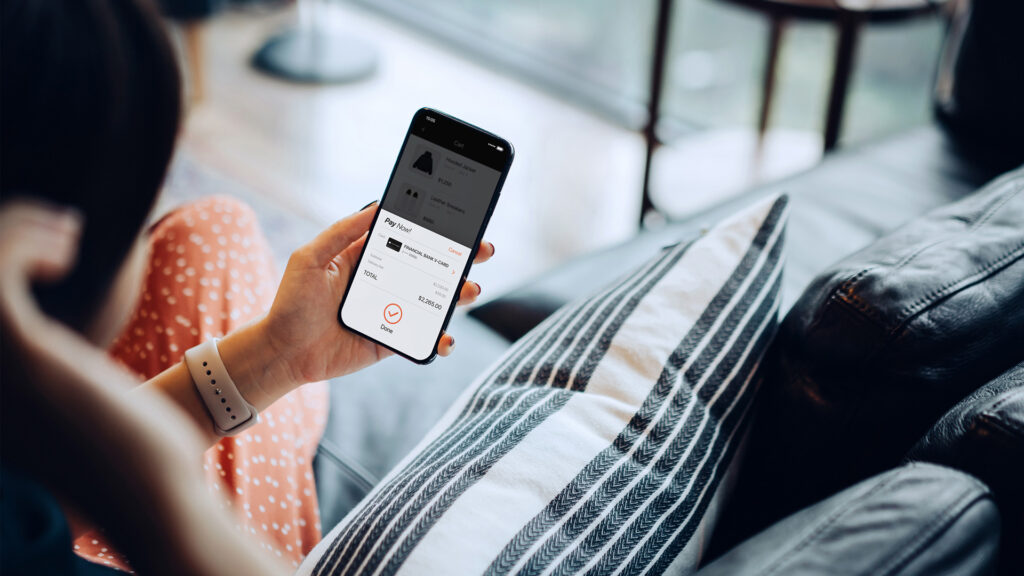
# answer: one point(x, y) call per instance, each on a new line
point(601, 442)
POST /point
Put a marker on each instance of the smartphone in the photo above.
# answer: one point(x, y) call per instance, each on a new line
point(441, 194)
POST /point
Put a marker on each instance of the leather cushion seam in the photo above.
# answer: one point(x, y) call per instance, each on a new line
point(926, 302)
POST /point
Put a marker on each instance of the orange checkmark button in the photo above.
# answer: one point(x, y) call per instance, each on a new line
point(392, 313)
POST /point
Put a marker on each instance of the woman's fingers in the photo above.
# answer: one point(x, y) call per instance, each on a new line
point(336, 238)
point(37, 243)
point(446, 345)
point(485, 252)
point(351, 254)
point(469, 293)
point(48, 258)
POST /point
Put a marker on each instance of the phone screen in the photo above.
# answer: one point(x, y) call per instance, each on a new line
point(442, 192)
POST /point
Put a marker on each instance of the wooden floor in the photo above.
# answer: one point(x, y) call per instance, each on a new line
point(325, 151)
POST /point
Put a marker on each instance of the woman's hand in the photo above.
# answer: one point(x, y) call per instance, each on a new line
point(302, 332)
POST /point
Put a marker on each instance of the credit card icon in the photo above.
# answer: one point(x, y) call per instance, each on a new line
point(394, 244)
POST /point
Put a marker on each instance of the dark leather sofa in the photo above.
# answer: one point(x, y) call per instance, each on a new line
point(920, 470)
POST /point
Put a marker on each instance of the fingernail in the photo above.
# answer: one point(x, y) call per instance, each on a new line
point(479, 289)
point(492, 248)
point(451, 341)
point(368, 205)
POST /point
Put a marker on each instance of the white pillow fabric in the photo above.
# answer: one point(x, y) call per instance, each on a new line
point(600, 441)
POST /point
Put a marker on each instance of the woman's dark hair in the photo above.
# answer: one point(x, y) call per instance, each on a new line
point(91, 101)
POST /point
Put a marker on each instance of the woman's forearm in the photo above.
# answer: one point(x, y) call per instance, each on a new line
point(255, 367)
point(128, 461)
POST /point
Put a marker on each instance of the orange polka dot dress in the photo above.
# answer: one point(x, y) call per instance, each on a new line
point(210, 271)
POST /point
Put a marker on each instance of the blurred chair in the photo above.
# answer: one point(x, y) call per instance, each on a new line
point(849, 17)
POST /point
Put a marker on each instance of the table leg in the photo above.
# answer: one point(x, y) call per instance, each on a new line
point(194, 55)
point(658, 61)
point(849, 31)
point(771, 63)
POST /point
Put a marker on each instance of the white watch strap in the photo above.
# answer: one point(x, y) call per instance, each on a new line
point(230, 412)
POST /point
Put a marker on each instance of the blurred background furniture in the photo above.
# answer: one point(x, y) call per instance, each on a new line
point(315, 52)
point(848, 17)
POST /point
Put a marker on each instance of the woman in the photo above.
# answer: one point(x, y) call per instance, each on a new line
point(90, 111)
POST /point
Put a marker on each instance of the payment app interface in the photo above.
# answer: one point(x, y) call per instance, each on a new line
point(419, 247)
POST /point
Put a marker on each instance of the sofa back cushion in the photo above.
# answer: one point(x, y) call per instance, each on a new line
point(882, 345)
point(980, 88)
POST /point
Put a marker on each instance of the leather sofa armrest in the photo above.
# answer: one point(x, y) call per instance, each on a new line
point(984, 436)
point(917, 519)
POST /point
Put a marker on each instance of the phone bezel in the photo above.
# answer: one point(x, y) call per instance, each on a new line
point(479, 134)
